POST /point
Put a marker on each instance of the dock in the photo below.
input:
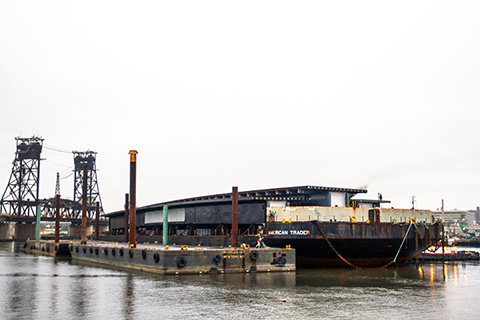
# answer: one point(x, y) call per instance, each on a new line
point(47, 248)
point(159, 259)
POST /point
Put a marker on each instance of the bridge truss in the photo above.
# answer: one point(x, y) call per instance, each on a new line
point(86, 159)
point(21, 195)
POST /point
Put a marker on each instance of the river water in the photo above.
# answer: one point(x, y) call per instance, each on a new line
point(37, 287)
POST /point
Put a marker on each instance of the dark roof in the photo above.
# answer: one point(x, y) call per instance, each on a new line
point(274, 194)
point(279, 194)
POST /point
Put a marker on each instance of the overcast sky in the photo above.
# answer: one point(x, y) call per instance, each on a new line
point(254, 94)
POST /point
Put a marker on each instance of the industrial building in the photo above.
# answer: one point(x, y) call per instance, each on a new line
point(212, 215)
point(461, 218)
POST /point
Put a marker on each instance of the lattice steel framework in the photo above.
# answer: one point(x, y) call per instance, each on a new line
point(81, 159)
point(67, 208)
point(21, 195)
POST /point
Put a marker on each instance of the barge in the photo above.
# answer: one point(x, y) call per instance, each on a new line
point(327, 226)
point(168, 260)
point(185, 260)
point(47, 248)
point(343, 244)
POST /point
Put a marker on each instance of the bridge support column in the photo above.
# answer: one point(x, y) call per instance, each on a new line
point(24, 231)
point(6, 231)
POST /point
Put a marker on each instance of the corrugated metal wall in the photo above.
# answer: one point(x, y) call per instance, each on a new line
point(215, 214)
point(248, 213)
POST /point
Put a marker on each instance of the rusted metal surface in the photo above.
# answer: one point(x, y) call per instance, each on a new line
point(97, 222)
point(57, 219)
point(83, 231)
point(361, 244)
point(133, 207)
point(234, 217)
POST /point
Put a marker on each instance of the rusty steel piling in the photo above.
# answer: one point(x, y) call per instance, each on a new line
point(83, 231)
point(133, 209)
point(37, 228)
point(97, 222)
point(234, 217)
point(57, 218)
point(165, 225)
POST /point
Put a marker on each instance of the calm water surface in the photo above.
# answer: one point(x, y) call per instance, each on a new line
point(36, 287)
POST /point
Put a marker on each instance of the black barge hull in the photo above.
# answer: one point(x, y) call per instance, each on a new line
point(343, 244)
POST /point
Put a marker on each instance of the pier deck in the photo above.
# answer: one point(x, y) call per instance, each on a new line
point(47, 248)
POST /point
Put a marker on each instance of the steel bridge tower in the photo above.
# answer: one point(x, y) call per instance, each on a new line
point(21, 195)
point(82, 159)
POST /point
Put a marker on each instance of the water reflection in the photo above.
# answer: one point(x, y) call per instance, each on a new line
point(33, 287)
point(16, 292)
point(129, 297)
point(79, 293)
point(241, 280)
point(448, 272)
point(382, 277)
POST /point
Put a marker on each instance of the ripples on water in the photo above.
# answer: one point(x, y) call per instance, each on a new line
point(37, 287)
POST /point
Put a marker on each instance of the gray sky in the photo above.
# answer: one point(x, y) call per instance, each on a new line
point(254, 94)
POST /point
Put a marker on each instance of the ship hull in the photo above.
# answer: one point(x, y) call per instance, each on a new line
point(343, 244)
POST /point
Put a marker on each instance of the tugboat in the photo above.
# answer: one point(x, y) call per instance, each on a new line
point(450, 253)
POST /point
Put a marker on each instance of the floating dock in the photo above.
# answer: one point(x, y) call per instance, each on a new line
point(47, 248)
point(159, 259)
